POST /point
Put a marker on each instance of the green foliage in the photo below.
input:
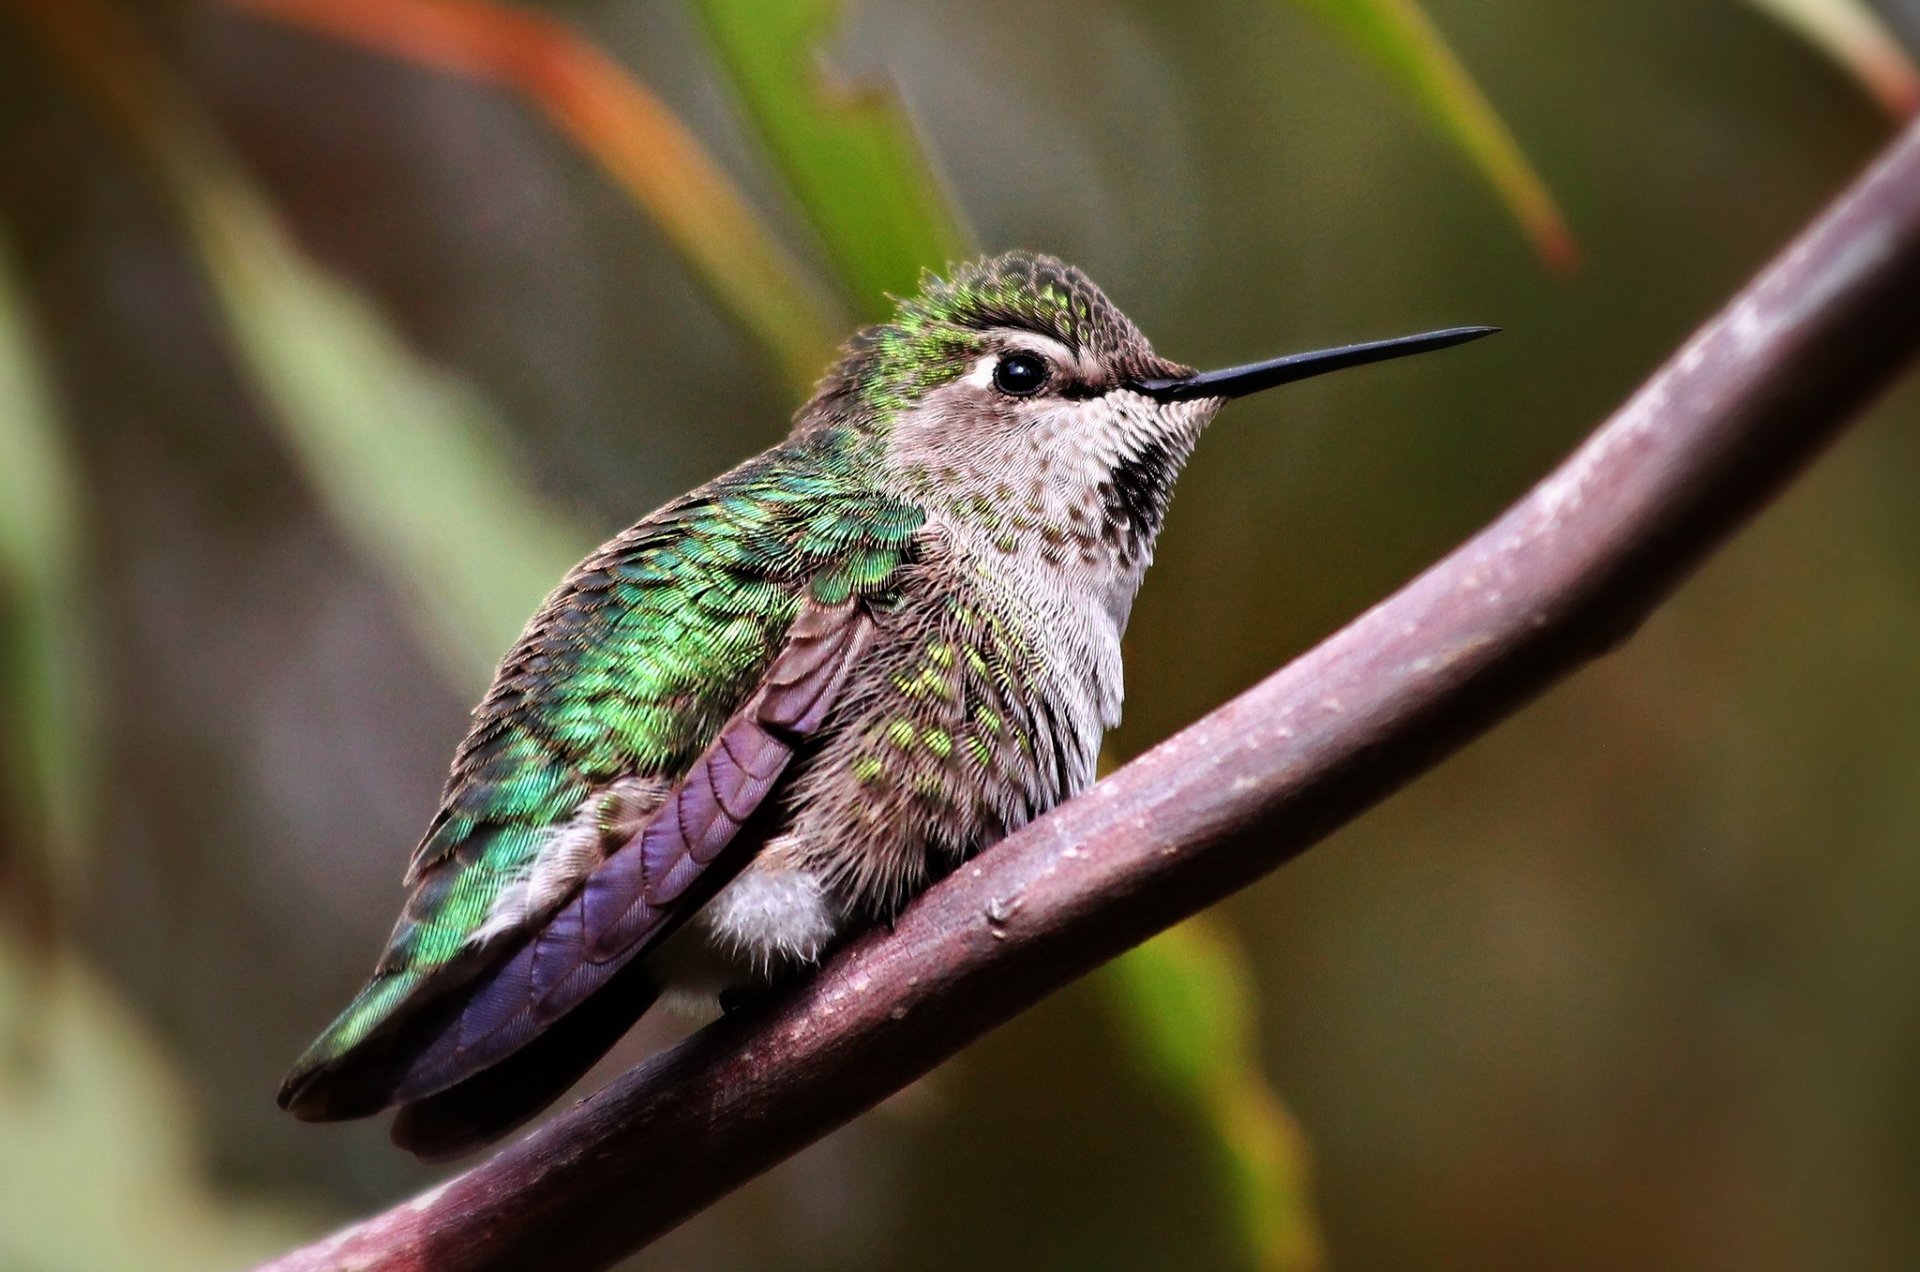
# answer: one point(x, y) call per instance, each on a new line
point(1399, 38)
point(850, 157)
point(1855, 37)
point(1187, 1006)
point(44, 759)
point(628, 131)
point(413, 464)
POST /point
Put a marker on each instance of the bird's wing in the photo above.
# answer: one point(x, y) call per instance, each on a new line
point(656, 650)
point(686, 850)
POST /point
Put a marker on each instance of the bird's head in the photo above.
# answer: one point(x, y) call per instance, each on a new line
point(1017, 398)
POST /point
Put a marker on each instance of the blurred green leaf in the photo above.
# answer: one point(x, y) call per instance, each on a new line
point(1399, 37)
point(1187, 1002)
point(410, 461)
point(1853, 35)
point(610, 115)
point(44, 712)
point(849, 154)
point(99, 1156)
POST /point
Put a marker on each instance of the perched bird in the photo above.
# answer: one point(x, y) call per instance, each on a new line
point(782, 705)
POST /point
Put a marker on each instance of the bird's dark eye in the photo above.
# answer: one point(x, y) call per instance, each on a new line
point(1020, 374)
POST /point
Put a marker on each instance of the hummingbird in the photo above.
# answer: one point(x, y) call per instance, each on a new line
point(776, 709)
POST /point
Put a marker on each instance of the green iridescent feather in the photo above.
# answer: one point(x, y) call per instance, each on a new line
point(936, 334)
point(630, 669)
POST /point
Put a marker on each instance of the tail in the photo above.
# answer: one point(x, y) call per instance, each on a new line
point(350, 1069)
point(479, 1110)
point(331, 1084)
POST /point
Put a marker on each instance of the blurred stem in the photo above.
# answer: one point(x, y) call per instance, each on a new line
point(627, 130)
point(1399, 38)
point(850, 154)
point(1187, 1005)
point(408, 460)
point(1854, 36)
point(44, 645)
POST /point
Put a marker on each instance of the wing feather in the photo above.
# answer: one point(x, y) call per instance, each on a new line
point(648, 885)
point(620, 687)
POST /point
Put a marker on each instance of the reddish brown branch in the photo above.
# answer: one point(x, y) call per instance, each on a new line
point(1564, 575)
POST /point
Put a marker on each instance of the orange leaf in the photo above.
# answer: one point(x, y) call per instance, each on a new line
point(632, 135)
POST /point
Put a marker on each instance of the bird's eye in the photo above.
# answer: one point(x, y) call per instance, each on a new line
point(1020, 374)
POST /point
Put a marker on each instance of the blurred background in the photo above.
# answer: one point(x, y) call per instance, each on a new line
point(332, 331)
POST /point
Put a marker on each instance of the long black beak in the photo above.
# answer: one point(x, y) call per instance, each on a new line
point(1236, 382)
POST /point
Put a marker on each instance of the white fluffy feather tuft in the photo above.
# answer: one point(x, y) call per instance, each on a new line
point(771, 916)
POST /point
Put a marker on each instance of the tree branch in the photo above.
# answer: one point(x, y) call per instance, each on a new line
point(1563, 576)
